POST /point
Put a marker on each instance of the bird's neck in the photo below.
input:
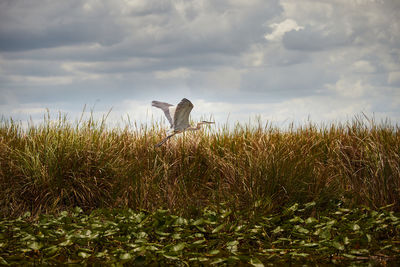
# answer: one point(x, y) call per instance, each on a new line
point(192, 128)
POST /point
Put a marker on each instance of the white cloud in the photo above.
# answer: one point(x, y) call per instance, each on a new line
point(363, 66)
point(279, 29)
point(348, 88)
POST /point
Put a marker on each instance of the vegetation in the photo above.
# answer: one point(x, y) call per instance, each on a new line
point(245, 195)
point(214, 237)
point(58, 165)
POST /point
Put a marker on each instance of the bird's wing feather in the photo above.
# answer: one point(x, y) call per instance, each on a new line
point(181, 116)
point(164, 107)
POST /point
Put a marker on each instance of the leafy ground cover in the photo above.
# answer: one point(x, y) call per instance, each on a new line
point(297, 234)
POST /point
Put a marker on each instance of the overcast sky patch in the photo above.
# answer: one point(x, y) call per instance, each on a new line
point(281, 60)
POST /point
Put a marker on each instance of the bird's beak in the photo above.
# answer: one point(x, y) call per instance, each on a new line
point(209, 122)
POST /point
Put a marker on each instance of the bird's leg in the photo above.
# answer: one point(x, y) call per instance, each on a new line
point(164, 140)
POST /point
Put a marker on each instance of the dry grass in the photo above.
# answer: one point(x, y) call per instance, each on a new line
point(58, 165)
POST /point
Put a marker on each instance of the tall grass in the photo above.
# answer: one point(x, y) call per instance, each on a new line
point(59, 164)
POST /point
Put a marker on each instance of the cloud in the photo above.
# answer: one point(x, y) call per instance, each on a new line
point(279, 29)
point(27, 26)
point(394, 78)
point(279, 58)
point(309, 39)
point(349, 89)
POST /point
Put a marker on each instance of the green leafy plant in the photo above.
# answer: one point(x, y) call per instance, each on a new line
point(125, 236)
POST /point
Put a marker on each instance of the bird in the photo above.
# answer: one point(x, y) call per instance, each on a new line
point(178, 117)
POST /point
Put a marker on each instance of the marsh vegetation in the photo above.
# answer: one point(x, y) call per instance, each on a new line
point(244, 195)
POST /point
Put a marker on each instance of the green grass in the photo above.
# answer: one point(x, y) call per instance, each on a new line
point(58, 165)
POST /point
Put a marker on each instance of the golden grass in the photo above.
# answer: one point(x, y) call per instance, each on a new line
point(58, 165)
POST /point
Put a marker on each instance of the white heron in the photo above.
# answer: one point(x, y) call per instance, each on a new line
point(178, 117)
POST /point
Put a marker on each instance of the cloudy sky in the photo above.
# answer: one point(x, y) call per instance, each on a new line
point(284, 60)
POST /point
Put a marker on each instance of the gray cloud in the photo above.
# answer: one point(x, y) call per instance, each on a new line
point(276, 58)
point(312, 40)
point(29, 25)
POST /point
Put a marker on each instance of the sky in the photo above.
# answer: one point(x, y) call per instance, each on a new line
point(281, 61)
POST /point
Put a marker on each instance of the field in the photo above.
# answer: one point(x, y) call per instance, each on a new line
point(85, 193)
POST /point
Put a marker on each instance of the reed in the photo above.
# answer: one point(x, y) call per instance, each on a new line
point(58, 165)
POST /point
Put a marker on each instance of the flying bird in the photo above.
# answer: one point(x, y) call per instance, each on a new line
point(178, 117)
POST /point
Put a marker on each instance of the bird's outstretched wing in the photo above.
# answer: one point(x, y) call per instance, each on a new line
point(181, 116)
point(164, 107)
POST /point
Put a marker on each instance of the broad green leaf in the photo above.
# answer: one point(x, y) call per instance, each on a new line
point(256, 262)
point(277, 230)
point(310, 204)
point(50, 250)
point(35, 245)
point(125, 256)
point(337, 245)
point(344, 210)
point(176, 236)
point(152, 248)
point(360, 251)
point(232, 246)
point(296, 219)
point(201, 229)
point(198, 222)
point(292, 208)
point(162, 233)
point(239, 228)
point(214, 252)
point(331, 222)
point(201, 259)
point(78, 210)
point(180, 221)
point(64, 213)
point(226, 214)
point(232, 243)
point(178, 247)
point(324, 233)
point(369, 238)
point(3, 261)
point(300, 255)
point(386, 247)
point(171, 257)
point(218, 261)
point(102, 254)
point(218, 228)
point(83, 254)
point(67, 242)
point(198, 242)
point(302, 230)
point(355, 227)
point(310, 220)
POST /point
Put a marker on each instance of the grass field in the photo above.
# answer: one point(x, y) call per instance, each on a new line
point(58, 165)
point(252, 171)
